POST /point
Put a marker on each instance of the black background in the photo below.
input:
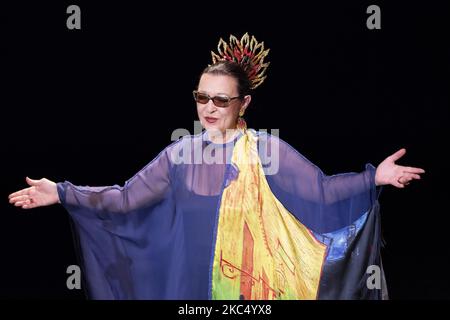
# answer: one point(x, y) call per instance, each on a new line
point(93, 106)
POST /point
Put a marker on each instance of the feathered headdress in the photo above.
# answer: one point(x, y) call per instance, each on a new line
point(248, 53)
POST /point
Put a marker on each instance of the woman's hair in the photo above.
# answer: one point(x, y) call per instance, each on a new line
point(234, 70)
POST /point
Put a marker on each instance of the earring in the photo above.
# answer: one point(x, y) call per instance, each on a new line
point(241, 124)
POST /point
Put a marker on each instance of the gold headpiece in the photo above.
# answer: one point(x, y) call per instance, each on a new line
point(248, 53)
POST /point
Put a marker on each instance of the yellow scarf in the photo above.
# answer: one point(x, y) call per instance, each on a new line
point(262, 251)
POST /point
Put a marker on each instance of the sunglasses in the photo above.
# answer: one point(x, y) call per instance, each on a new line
point(221, 101)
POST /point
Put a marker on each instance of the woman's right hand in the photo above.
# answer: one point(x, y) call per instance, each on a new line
point(41, 192)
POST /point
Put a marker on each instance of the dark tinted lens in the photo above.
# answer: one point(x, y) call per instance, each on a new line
point(221, 101)
point(201, 98)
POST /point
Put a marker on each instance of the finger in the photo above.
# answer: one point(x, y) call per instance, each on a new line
point(32, 182)
point(29, 206)
point(409, 177)
point(18, 198)
point(20, 192)
point(21, 203)
point(415, 176)
point(398, 185)
point(397, 155)
point(402, 180)
point(413, 170)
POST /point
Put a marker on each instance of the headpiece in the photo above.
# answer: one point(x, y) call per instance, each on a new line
point(248, 53)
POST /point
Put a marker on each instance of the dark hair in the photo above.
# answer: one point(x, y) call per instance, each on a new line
point(234, 70)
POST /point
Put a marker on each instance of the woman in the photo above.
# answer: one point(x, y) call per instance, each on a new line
point(227, 225)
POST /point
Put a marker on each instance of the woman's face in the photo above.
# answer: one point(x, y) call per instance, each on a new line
point(217, 118)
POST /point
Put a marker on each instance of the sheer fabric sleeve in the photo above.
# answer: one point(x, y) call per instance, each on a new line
point(123, 235)
point(145, 188)
point(323, 202)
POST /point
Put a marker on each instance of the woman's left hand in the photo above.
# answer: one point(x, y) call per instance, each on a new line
point(399, 176)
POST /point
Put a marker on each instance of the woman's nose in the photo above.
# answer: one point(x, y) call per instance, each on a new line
point(210, 106)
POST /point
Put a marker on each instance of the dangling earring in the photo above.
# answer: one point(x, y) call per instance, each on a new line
point(241, 124)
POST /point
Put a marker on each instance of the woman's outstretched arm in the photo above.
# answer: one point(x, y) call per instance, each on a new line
point(298, 176)
point(323, 202)
point(145, 188)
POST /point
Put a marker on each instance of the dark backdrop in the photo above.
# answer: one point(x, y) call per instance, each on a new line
point(93, 106)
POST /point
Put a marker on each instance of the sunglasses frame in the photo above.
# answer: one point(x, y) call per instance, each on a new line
point(195, 93)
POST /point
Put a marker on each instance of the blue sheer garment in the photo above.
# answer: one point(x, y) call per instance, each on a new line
point(152, 237)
